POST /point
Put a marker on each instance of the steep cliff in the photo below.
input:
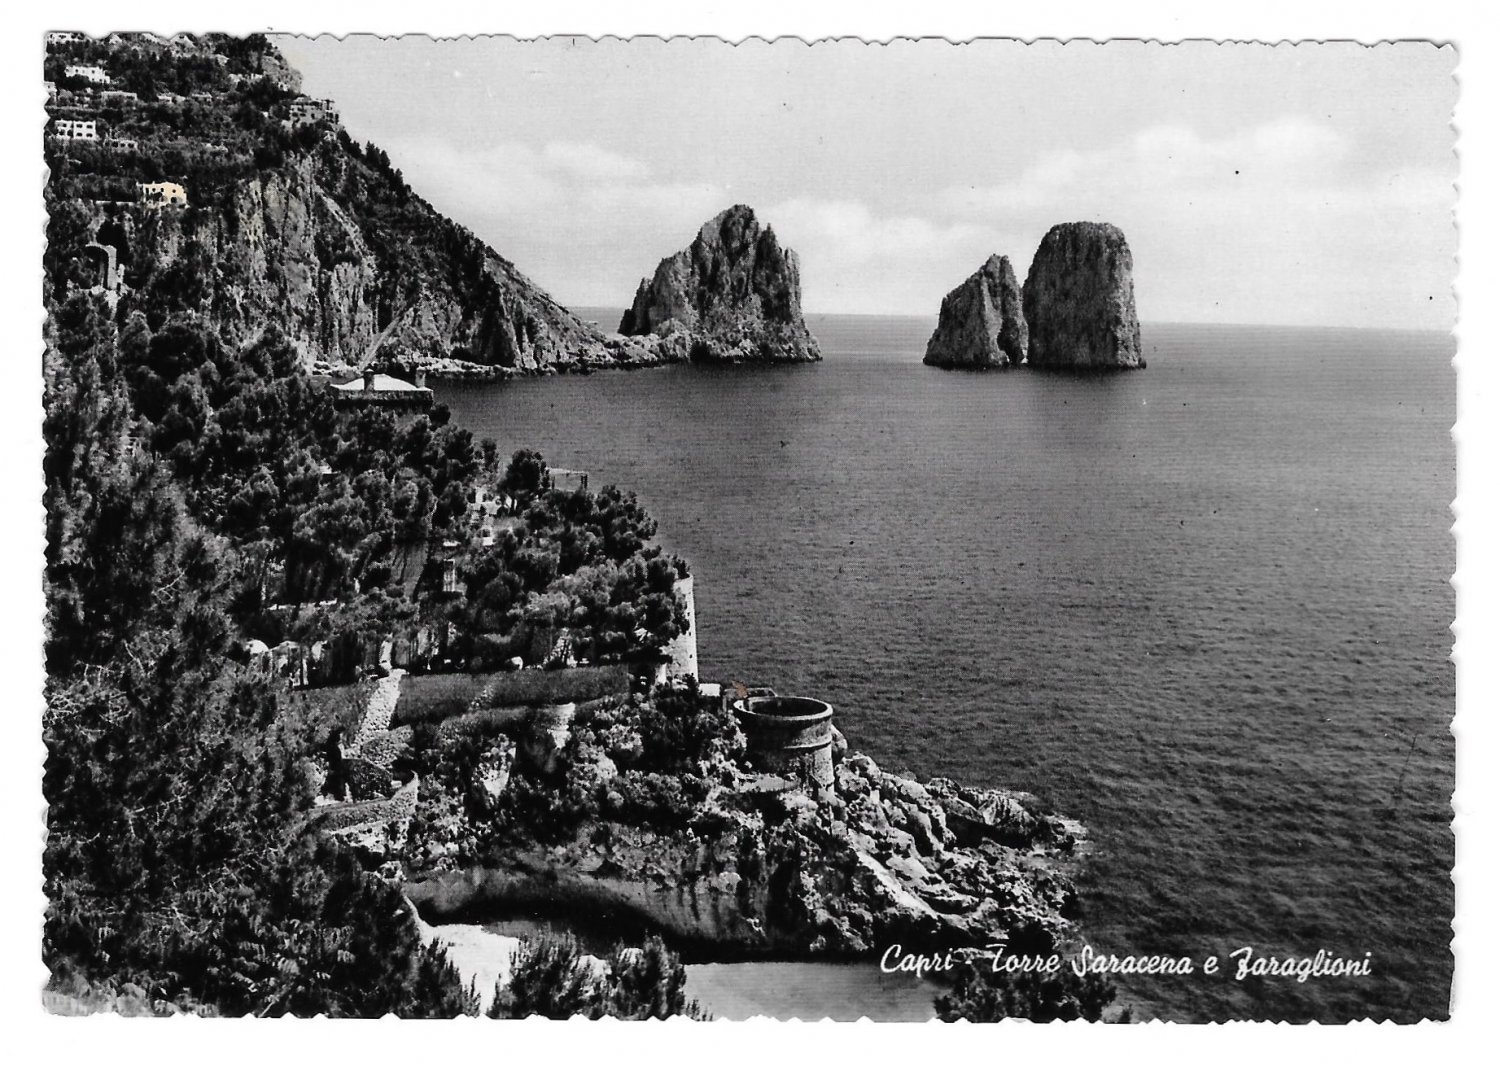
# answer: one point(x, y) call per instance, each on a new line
point(1079, 301)
point(733, 295)
point(981, 324)
point(288, 221)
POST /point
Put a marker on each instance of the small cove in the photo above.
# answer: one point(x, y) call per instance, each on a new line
point(734, 990)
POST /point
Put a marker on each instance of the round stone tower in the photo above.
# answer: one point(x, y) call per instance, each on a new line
point(789, 735)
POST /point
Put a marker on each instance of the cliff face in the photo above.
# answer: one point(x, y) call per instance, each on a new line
point(733, 295)
point(1079, 301)
point(981, 323)
point(287, 248)
point(258, 261)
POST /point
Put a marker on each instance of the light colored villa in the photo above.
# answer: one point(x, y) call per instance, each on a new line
point(76, 129)
point(161, 193)
point(88, 72)
point(387, 392)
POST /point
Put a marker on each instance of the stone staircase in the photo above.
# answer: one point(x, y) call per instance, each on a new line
point(380, 710)
point(375, 824)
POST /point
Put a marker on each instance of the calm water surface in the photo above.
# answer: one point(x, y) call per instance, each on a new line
point(1204, 608)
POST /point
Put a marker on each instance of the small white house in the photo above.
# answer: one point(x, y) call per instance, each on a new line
point(76, 129)
point(161, 193)
point(91, 73)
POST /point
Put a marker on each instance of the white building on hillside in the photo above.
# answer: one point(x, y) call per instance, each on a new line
point(76, 129)
point(91, 73)
point(161, 193)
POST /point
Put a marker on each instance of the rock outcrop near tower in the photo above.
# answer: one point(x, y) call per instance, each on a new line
point(981, 323)
point(733, 295)
point(1079, 301)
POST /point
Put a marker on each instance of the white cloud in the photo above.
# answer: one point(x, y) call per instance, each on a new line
point(1172, 163)
point(514, 177)
point(849, 232)
point(855, 259)
point(1274, 222)
point(591, 162)
point(583, 221)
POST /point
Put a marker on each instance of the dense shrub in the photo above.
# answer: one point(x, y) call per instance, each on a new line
point(552, 978)
point(202, 490)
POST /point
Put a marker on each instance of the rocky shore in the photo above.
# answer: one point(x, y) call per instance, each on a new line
point(612, 352)
point(761, 864)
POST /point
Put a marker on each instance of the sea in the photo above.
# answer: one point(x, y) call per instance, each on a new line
point(1204, 608)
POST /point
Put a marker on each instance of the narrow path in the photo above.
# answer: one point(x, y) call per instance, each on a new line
point(381, 708)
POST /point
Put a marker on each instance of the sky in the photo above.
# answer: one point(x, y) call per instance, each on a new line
point(1306, 184)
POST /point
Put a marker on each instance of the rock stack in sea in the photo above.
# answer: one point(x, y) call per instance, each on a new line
point(734, 294)
point(981, 323)
point(1079, 301)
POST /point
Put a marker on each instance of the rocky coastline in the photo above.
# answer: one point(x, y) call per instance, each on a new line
point(614, 354)
point(894, 871)
point(756, 865)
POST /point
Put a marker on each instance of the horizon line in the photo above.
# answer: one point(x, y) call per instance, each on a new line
point(1450, 330)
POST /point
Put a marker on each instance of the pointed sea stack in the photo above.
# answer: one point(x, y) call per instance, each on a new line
point(981, 324)
point(1079, 301)
point(733, 295)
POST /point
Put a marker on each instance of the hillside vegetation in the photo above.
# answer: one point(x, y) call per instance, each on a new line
point(204, 495)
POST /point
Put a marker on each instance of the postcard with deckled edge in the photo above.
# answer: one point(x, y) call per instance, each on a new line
point(656, 528)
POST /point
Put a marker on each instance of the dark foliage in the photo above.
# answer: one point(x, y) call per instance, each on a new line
point(980, 994)
point(550, 977)
point(202, 490)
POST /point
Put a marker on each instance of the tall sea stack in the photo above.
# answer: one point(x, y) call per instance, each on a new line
point(1079, 301)
point(981, 324)
point(733, 295)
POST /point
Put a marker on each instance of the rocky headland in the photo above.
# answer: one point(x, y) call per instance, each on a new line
point(1079, 301)
point(734, 294)
point(710, 850)
point(981, 323)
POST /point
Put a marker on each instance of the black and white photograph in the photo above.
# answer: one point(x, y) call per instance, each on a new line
point(650, 528)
